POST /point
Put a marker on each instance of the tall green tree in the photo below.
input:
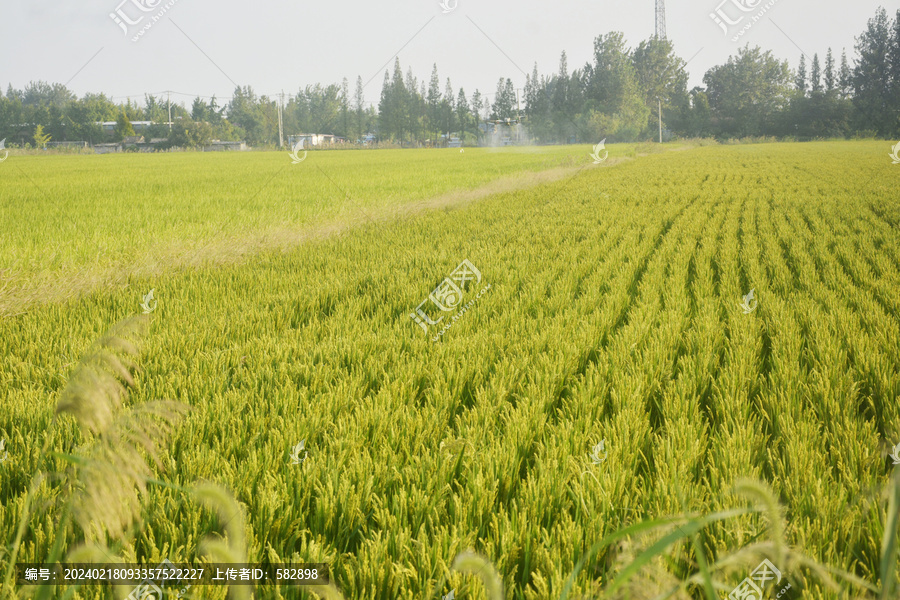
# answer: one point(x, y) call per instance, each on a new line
point(401, 99)
point(359, 109)
point(562, 109)
point(478, 114)
point(416, 110)
point(462, 113)
point(40, 138)
point(324, 108)
point(393, 107)
point(41, 93)
point(346, 125)
point(386, 109)
point(894, 76)
point(448, 115)
point(85, 116)
point(829, 72)
point(822, 112)
point(244, 112)
point(815, 75)
point(504, 105)
point(845, 76)
point(699, 119)
point(191, 134)
point(747, 93)
point(871, 77)
point(123, 128)
point(433, 101)
point(537, 106)
point(214, 112)
point(199, 110)
point(800, 80)
point(268, 109)
point(155, 109)
point(614, 107)
point(662, 80)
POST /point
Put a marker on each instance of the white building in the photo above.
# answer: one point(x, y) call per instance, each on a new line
point(136, 125)
point(315, 139)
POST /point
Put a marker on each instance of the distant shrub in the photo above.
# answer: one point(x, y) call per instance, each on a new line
point(865, 134)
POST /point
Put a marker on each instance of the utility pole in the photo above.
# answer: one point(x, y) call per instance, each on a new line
point(281, 121)
point(169, 102)
point(659, 112)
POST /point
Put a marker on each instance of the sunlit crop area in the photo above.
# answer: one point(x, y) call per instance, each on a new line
point(614, 315)
point(72, 222)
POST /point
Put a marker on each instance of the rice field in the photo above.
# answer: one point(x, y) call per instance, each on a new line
point(604, 366)
point(98, 220)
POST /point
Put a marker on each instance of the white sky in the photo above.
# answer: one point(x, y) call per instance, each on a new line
point(284, 45)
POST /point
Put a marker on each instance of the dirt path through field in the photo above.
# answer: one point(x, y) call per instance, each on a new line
point(16, 297)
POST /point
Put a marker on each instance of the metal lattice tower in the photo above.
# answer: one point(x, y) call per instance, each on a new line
point(660, 19)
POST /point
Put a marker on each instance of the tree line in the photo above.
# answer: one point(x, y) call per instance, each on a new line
point(619, 95)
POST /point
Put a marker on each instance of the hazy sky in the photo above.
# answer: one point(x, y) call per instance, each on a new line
point(201, 47)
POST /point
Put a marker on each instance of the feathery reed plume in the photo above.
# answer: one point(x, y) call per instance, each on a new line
point(96, 389)
point(475, 564)
point(234, 548)
point(98, 553)
point(112, 478)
